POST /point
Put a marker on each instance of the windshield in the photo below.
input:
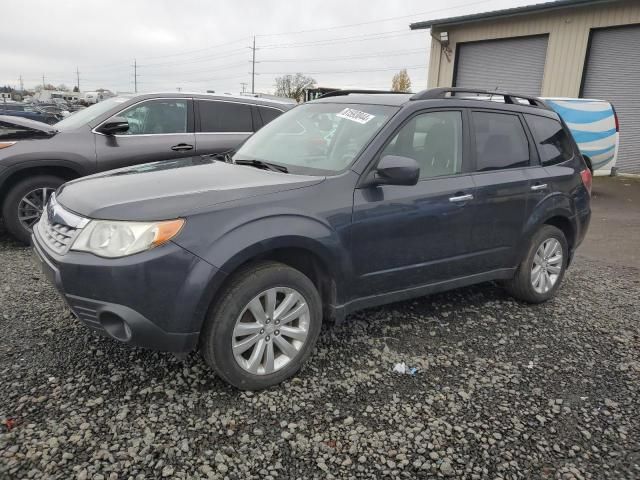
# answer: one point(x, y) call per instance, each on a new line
point(82, 117)
point(316, 138)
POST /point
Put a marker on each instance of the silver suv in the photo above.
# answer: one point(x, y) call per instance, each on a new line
point(35, 158)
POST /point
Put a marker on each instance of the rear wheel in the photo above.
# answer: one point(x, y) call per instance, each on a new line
point(25, 202)
point(539, 275)
point(263, 326)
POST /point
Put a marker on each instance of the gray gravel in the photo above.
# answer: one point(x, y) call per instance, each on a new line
point(503, 390)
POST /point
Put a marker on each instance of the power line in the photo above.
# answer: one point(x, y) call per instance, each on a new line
point(374, 21)
point(348, 57)
point(409, 67)
point(348, 39)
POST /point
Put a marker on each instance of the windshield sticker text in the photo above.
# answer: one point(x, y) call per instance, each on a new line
point(355, 115)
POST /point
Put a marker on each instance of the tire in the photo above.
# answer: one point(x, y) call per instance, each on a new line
point(12, 202)
point(220, 331)
point(522, 286)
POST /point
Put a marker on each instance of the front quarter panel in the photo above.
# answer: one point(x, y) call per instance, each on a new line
point(314, 218)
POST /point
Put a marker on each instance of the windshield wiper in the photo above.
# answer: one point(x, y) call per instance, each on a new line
point(262, 164)
point(224, 156)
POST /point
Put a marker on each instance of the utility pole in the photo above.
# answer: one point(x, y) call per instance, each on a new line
point(78, 79)
point(43, 81)
point(21, 84)
point(135, 75)
point(253, 66)
point(244, 86)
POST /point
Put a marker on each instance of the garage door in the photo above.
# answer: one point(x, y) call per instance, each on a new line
point(613, 74)
point(513, 65)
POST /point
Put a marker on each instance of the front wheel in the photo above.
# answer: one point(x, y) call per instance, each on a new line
point(263, 327)
point(540, 273)
point(25, 203)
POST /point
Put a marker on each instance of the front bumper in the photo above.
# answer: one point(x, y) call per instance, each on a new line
point(155, 299)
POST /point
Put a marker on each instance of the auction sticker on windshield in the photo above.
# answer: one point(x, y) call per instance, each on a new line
point(355, 115)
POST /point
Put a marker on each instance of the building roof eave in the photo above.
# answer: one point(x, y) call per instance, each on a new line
point(508, 12)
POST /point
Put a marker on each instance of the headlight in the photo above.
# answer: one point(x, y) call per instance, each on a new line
point(107, 238)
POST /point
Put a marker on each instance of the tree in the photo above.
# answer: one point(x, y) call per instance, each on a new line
point(62, 87)
point(293, 86)
point(401, 81)
point(76, 89)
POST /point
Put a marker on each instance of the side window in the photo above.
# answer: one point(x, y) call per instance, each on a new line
point(434, 140)
point(500, 141)
point(554, 145)
point(156, 117)
point(221, 117)
point(268, 114)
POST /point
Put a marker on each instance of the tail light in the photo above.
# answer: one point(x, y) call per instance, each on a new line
point(587, 179)
point(6, 144)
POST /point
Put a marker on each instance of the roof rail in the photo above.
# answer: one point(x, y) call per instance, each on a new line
point(340, 93)
point(511, 98)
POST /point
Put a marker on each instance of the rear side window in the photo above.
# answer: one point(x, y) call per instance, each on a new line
point(225, 117)
point(500, 141)
point(268, 114)
point(553, 142)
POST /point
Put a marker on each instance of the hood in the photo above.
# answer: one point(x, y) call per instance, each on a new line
point(33, 126)
point(171, 188)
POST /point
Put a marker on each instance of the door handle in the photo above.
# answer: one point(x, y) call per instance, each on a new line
point(461, 198)
point(182, 147)
point(540, 186)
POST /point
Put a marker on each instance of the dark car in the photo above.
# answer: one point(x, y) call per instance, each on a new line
point(114, 133)
point(342, 203)
point(30, 112)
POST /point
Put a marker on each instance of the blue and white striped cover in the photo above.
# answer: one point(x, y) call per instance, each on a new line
point(593, 126)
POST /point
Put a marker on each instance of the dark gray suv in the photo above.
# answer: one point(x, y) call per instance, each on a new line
point(36, 158)
point(340, 204)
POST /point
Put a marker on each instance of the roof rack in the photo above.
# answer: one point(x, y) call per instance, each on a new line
point(340, 93)
point(511, 98)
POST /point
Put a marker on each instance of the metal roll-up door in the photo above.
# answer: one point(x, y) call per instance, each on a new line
point(512, 65)
point(613, 74)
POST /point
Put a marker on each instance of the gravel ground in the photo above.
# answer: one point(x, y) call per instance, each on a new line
point(503, 390)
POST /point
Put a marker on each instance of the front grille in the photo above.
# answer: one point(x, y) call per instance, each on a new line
point(58, 227)
point(57, 237)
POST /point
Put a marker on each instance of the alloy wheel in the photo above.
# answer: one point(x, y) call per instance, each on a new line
point(547, 265)
point(32, 205)
point(271, 330)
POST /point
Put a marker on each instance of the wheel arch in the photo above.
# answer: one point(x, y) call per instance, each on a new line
point(65, 170)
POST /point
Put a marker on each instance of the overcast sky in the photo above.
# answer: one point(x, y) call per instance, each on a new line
point(198, 45)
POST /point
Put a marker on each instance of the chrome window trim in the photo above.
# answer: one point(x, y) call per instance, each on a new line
point(93, 130)
point(224, 133)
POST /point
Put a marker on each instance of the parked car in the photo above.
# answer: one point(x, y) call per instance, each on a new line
point(409, 195)
point(114, 133)
point(30, 112)
point(594, 126)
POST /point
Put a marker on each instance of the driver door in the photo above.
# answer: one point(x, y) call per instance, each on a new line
point(407, 236)
point(159, 129)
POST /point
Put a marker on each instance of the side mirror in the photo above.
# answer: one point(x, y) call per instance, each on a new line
point(395, 170)
point(114, 126)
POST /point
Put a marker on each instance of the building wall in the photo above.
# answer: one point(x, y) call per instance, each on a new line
point(568, 30)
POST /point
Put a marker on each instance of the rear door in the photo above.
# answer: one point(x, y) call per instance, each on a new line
point(159, 129)
point(502, 177)
point(556, 152)
point(222, 125)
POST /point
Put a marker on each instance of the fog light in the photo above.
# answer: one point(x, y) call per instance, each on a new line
point(115, 326)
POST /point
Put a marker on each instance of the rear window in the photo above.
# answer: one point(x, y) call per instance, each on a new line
point(225, 117)
point(268, 114)
point(500, 141)
point(553, 142)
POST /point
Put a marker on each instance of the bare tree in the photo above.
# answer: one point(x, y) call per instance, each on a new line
point(401, 81)
point(62, 87)
point(293, 86)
